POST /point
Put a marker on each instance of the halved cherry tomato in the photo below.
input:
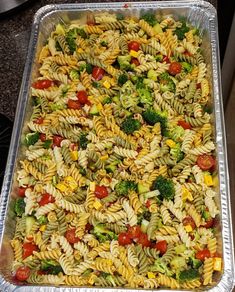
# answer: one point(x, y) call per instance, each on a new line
point(166, 59)
point(57, 140)
point(186, 53)
point(205, 161)
point(148, 203)
point(46, 199)
point(28, 249)
point(22, 273)
point(134, 46)
point(90, 20)
point(143, 240)
point(101, 192)
point(184, 125)
point(42, 137)
point(134, 232)
point(42, 84)
point(124, 238)
point(161, 246)
point(189, 221)
point(39, 121)
point(74, 104)
point(88, 227)
point(209, 223)
point(198, 85)
point(202, 254)
point(71, 236)
point(135, 61)
point(82, 97)
point(21, 191)
point(98, 73)
point(175, 68)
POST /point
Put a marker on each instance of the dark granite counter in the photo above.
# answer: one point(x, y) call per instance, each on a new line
point(14, 37)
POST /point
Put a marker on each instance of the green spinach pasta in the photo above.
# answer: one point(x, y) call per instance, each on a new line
point(117, 187)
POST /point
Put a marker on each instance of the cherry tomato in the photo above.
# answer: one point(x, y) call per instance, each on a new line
point(41, 272)
point(101, 192)
point(97, 73)
point(82, 97)
point(42, 84)
point(189, 221)
point(209, 223)
point(134, 46)
point(198, 85)
point(175, 68)
point(161, 246)
point(134, 231)
point(22, 273)
point(28, 249)
point(166, 59)
point(202, 254)
point(46, 199)
point(135, 61)
point(148, 203)
point(90, 19)
point(71, 236)
point(43, 137)
point(184, 125)
point(39, 121)
point(205, 161)
point(124, 238)
point(186, 53)
point(143, 240)
point(21, 191)
point(57, 140)
point(74, 104)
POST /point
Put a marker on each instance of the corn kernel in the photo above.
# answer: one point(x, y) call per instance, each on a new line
point(42, 228)
point(99, 107)
point(217, 264)
point(104, 157)
point(134, 53)
point(74, 155)
point(106, 84)
point(151, 275)
point(208, 180)
point(188, 228)
point(61, 187)
point(71, 183)
point(186, 195)
point(97, 205)
point(92, 186)
point(170, 143)
point(80, 50)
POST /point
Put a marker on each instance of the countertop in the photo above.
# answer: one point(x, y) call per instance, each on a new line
point(14, 37)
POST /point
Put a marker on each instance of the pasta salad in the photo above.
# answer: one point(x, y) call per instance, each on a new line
point(117, 185)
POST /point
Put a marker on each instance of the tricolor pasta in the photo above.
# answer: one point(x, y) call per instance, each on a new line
point(118, 183)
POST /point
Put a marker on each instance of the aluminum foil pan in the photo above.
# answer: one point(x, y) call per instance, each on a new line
point(202, 15)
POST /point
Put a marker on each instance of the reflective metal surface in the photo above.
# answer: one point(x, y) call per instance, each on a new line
point(6, 5)
point(199, 13)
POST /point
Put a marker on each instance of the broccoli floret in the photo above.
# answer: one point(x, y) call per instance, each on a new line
point(42, 220)
point(145, 96)
point(47, 144)
point(123, 187)
point(129, 125)
point(19, 206)
point(176, 152)
point(71, 37)
point(186, 66)
point(165, 187)
point(122, 79)
point(159, 57)
point(195, 263)
point(139, 82)
point(166, 83)
point(124, 62)
point(150, 18)
point(89, 68)
point(31, 138)
point(152, 117)
point(51, 267)
point(161, 267)
point(180, 31)
point(107, 100)
point(83, 141)
point(82, 171)
point(208, 108)
point(103, 234)
point(188, 275)
point(56, 106)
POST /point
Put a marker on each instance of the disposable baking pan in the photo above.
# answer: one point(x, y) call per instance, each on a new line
point(202, 15)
